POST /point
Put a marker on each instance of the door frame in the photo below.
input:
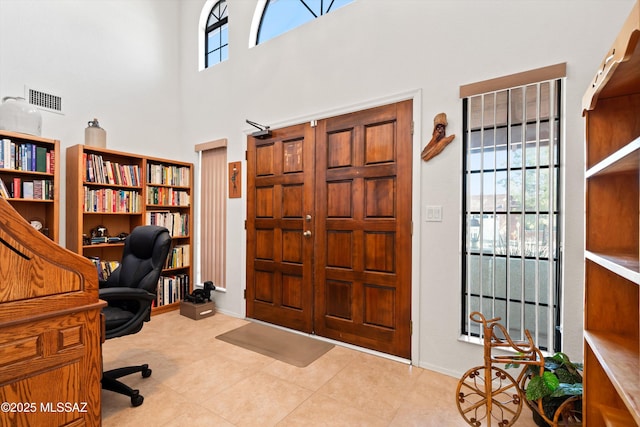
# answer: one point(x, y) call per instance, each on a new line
point(416, 207)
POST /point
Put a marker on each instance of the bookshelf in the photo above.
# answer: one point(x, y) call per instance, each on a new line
point(30, 179)
point(111, 192)
point(168, 202)
point(611, 106)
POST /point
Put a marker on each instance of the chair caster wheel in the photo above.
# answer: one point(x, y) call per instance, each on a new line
point(136, 399)
point(146, 373)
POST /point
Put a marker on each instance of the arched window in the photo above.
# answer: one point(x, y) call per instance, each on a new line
point(280, 16)
point(216, 35)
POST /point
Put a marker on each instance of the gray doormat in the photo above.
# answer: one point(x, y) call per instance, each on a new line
point(294, 349)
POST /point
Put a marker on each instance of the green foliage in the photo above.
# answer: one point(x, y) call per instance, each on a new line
point(542, 386)
point(561, 378)
point(565, 389)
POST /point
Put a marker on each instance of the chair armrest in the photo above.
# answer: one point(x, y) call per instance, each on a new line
point(121, 293)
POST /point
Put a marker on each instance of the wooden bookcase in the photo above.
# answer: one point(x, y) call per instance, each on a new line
point(118, 191)
point(612, 257)
point(168, 202)
point(34, 162)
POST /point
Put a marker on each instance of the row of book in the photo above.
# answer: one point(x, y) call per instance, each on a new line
point(167, 196)
point(37, 189)
point(26, 157)
point(107, 172)
point(104, 268)
point(111, 200)
point(177, 223)
point(179, 257)
point(168, 175)
point(172, 289)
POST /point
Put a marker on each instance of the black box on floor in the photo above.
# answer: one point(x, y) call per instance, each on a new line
point(197, 311)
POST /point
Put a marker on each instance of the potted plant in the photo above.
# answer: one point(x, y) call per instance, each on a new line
point(555, 397)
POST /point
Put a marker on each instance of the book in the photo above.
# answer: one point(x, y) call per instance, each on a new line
point(3, 190)
point(16, 188)
point(41, 159)
point(27, 190)
point(38, 189)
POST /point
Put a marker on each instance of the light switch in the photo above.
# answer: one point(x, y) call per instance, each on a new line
point(433, 213)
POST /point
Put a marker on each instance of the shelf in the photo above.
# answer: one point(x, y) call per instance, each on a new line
point(11, 199)
point(175, 269)
point(81, 223)
point(47, 174)
point(165, 308)
point(23, 172)
point(618, 356)
point(627, 159)
point(624, 265)
point(617, 74)
point(116, 186)
point(103, 245)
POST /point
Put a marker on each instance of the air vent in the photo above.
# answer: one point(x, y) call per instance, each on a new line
point(43, 100)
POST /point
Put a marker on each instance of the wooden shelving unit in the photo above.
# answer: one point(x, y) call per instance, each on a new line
point(612, 257)
point(147, 190)
point(45, 208)
point(168, 202)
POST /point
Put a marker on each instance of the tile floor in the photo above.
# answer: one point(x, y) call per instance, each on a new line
point(198, 380)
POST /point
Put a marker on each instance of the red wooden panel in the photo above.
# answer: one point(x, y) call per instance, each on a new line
point(340, 149)
point(264, 244)
point(292, 246)
point(264, 286)
point(293, 201)
point(264, 202)
point(292, 160)
point(339, 296)
point(379, 304)
point(379, 143)
point(380, 198)
point(292, 291)
point(264, 160)
point(340, 249)
point(379, 252)
point(339, 199)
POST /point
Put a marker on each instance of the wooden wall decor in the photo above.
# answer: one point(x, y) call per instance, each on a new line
point(439, 140)
point(235, 180)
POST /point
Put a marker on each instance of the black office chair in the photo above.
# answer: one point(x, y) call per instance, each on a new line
point(130, 291)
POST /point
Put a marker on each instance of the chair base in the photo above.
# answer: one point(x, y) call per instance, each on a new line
point(110, 382)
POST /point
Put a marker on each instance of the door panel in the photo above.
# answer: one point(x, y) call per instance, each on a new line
point(329, 228)
point(279, 257)
point(363, 229)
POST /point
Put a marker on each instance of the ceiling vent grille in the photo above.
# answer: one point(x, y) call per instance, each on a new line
point(43, 100)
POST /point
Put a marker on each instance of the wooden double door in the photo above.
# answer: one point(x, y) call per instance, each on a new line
point(329, 228)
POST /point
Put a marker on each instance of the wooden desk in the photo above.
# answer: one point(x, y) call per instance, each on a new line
point(50, 330)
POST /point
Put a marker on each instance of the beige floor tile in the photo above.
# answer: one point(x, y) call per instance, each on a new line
point(198, 381)
point(317, 373)
point(194, 415)
point(261, 400)
point(161, 405)
point(372, 384)
point(320, 410)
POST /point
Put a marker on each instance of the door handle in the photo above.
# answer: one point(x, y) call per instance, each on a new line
point(307, 233)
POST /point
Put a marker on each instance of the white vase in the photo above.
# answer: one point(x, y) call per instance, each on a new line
point(19, 116)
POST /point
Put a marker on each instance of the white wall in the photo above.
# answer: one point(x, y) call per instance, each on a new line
point(374, 49)
point(134, 65)
point(115, 60)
